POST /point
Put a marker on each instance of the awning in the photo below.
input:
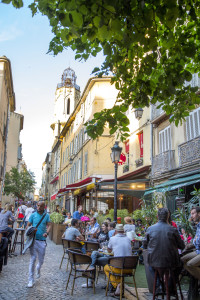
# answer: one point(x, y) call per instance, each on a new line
point(54, 180)
point(171, 185)
point(53, 197)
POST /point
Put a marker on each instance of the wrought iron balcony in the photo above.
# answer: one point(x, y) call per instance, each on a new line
point(189, 152)
point(163, 162)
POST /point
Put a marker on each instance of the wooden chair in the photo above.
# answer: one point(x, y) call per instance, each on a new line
point(66, 245)
point(123, 263)
point(164, 274)
point(80, 263)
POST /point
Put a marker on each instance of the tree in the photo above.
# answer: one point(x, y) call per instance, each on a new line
point(19, 183)
point(151, 47)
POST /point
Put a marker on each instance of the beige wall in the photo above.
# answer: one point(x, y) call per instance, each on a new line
point(7, 103)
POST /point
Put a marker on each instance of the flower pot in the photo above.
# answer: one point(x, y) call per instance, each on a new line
point(58, 230)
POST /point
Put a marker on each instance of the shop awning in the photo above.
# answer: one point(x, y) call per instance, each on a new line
point(53, 197)
point(171, 185)
point(54, 180)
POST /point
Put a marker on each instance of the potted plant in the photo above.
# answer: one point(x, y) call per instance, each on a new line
point(58, 227)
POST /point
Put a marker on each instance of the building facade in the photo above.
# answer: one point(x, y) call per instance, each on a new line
point(14, 147)
point(7, 105)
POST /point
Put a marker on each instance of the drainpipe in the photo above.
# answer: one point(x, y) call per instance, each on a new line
point(151, 141)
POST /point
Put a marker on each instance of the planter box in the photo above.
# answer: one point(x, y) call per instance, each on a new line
point(58, 230)
point(51, 232)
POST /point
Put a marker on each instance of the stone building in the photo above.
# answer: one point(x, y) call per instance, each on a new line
point(7, 105)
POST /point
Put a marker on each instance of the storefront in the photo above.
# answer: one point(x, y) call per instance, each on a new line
point(177, 190)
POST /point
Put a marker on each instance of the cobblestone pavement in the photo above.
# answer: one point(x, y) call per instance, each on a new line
point(51, 285)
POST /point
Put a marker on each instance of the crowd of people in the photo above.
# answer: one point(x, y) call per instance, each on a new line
point(168, 245)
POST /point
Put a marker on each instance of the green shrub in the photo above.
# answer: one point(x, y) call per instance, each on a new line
point(122, 213)
point(57, 218)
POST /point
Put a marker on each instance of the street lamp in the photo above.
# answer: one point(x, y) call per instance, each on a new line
point(115, 157)
point(138, 113)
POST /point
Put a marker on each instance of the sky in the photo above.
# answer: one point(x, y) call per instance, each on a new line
point(25, 40)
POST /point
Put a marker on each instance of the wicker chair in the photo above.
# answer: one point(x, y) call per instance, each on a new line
point(66, 245)
point(80, 263)
point(91, 246)
point(123, 263)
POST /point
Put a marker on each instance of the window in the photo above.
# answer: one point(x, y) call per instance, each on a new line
point(79, 169)
point(165, 140)
point(68, 106)
point(193, 124)
point(86, 164)
point(140, 138)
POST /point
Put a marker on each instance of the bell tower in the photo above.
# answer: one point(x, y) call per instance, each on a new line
point(67, 96)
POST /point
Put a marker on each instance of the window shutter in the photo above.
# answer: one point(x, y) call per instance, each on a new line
point(165, 140)
point(86, 161)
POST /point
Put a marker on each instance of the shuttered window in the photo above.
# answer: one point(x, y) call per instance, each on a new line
point(165, 140)
point(86, 164)
point(193, 124)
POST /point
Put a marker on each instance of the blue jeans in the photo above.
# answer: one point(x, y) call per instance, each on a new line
point(103, 259)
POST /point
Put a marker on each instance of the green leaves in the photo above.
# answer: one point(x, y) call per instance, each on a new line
point(19, 183)
point(150, 47)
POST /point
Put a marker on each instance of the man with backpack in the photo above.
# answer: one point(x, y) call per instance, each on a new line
point(41, 221)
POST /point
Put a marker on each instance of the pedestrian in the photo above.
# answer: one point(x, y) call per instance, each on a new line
point(28, 213)
point(39, 246)
point(20, 214)
point(79, 213)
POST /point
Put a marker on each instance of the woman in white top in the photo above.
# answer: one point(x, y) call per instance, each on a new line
point(28, 212)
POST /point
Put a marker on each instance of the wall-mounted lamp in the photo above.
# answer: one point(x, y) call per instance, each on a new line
point(138, 113)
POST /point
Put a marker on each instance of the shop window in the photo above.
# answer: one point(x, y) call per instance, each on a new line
point(165, 140)
point(140, 138)
point(193, 124)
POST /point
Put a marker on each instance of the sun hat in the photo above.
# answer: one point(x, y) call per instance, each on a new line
point(120, 227)
point(127, 220)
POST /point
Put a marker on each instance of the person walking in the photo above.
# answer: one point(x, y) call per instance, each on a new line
point(39, 246)
point(28, 213)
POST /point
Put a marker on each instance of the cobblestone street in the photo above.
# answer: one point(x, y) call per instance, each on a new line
point(51, 285)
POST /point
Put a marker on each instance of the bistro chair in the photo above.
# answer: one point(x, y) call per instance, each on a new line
point(123, 263)
point(66, 245)
point(80, 263)
point(91, 246)
point(16, 242)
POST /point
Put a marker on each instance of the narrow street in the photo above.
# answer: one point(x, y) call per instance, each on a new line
point(51, 285)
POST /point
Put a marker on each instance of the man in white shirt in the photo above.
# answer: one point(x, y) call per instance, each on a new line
point(29, 210)
point(120, 245)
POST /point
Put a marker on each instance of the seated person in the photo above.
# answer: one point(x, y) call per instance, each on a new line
point(102, 235)
point(192, 260)
point(162, 242)
point(128, 226)
point(93, 228)
point(72, 233)
point(108, 220)
point(111, 229)
point(6, 216)
point(120, 245)
point(68, 216)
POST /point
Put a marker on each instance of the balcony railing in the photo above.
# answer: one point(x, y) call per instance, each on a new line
point(163, 162)
point(189, 152)
point(156, 112)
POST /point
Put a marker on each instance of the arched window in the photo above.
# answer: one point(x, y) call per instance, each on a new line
point(68, 106)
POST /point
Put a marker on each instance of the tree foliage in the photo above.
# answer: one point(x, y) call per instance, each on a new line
point(19, 183)
point(150, 46)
